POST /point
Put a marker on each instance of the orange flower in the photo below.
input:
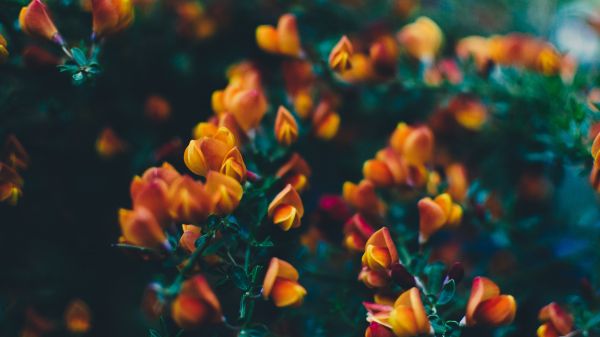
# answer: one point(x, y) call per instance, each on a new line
point(281, 284)
point(286, 209)
point(362, 69)
point(525, 51)
point(325, 121)
point(157, 108)
point(35, 20)
point(225, 191)
point(408, 318)
point(11, 184)
point(140, 228)
point(153, 196)
point(3, 49)
point(357, 231)
point(298, 76)
point(487, 306)
point(188, 239)
point(372, 278)
point(340, 55)
point(286, 128)
point(478, 48)
point(556, 321)
point(363, 198)
point(295, 172)
point(416, 144)
point(111, 16)
point(422, 39)
point(384, 55)
point(189, 201)
point(468, 111)
point(380, 251)
point(435, 213)
point(210, 153)
point(378, 330)
point(109, 144)
point(196, 304)
point(78, 317)
point(166, 173)
point(243, 97)
point(458, 184)
point(281, 40)
point(14, 153)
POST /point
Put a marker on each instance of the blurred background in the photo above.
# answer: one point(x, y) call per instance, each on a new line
point(55, 244)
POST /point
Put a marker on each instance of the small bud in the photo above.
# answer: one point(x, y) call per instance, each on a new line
point(402, 277)
point(456, 273)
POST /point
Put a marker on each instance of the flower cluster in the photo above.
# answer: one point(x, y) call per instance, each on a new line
point(13, 159)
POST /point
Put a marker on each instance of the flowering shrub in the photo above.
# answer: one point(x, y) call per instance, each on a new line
point(328, 168)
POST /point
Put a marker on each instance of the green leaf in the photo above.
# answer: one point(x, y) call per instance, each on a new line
point(447, 292)
point(153, 333)
point(79, 57)
point(434, 273)
point(239, 278)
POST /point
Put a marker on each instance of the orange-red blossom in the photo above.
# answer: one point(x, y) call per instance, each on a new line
point(341, 55)
point(286, 210)
point(196, 305)
point(437, 213)
point(486, 306)
point(281, 284)
point(283, 39)
point(556, 321)
point(111, 16)
point(286, 127)
point(406, 317)
point(34, 19)
point(380, 253)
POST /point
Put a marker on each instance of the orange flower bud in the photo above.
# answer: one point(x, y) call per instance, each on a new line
point(153, 196)
point(378, 330)
point(357, 231)
point(225, 191)
point(204, 129)
point(157, 108)
point(35, 20)
point(295, 172)
point(15, 154)
point(340, 55)
point(188, 239)
point(458, 183)
point(286, 128)
point(196, 304)
point(380, 251)
point(165, 173)
point(3, 49)
point(188, 200)
point(11, 184)
point(281, 284)
point(298, 76)
point(325, 121)
point(234, 166)
point(468, 111)
point(596, 146)
point(78, 317)
point(111, 16)
point(248, 107)
point(558, 322)
point(487, 306)
point(363, 198)
point(372, 278)
point(266, 37)
point(109, 144)
point(209, 153)
point(418, 145)
point(384, 55)
point(362, 69)
point(422, 39)
point(476, 47)
point(281, 40)
point(303, 103)
point(287, 34)
point(408, 318)
point(140, 227)
point(286, 210)
point(434, 214)
point(378, 172)
point(228, 121)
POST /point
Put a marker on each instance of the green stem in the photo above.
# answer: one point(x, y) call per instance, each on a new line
point(193, 259)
